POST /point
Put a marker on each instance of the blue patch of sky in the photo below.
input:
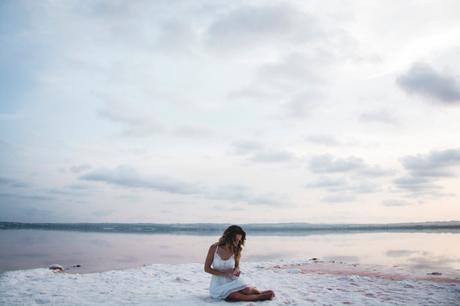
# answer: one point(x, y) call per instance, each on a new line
point(21, 55)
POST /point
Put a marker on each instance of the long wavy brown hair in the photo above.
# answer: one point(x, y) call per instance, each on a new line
point(227, 239)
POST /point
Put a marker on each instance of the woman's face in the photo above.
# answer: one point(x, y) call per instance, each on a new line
point(237, 239)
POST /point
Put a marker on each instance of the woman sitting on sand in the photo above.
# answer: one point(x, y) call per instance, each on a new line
point(223, 263)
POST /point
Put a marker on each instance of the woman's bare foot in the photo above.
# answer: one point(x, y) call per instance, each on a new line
point(267, 295)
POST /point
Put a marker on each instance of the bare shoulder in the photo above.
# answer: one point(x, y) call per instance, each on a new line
point(213, 247)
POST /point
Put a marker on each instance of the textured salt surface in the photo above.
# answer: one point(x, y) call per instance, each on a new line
point(295, 283)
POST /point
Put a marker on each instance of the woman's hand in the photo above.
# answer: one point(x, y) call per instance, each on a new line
point(228, 273)
point(236, 271)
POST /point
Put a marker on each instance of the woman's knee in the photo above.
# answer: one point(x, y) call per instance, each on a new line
point(236, 296)
point(249, 290)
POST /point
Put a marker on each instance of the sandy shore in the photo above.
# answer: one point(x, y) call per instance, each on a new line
point(310, 282)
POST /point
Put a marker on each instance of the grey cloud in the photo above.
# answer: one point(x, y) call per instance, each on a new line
point(297, 77)
point(338, 198)
point(108, 9)
point(135, 125)
point(423, 171)
point(300, 105)
point(5, 181)
point(69, 192)
point(12, 212)
point(354, 174)
point(176, 36)
point(146, 125)
point(246, 147)
point(289, 70)
point(294, 81)
point(132, 23)
point(328, 164)
point(272, 156)
point(257, 152)
point(131, 197)
point(336, 185)
point(422, 79)
point(80, 168)
point(418, 185)
point(127, 177)
point(434, 164)
point(253, 26)
point(13, 197)
point(80, 187)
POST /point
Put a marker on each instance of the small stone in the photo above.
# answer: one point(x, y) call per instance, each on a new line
point(56, 268)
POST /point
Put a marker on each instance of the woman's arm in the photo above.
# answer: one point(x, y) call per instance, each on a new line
point(208, 262)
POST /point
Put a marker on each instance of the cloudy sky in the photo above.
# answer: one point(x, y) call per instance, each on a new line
point(229, 111)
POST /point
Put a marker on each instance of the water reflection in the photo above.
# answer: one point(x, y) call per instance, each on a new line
point(21, 249)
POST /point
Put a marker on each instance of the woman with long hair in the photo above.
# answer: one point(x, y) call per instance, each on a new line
point(223, 262)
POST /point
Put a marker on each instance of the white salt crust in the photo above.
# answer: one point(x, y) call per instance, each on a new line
point(295, 283)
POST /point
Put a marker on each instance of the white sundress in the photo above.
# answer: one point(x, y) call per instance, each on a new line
point(222, 286)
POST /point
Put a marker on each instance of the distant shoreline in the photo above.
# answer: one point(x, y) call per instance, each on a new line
point(255, 229)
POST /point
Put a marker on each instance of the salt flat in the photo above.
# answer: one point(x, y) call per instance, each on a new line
point(295, 283)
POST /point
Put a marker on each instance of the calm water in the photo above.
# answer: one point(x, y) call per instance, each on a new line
point(23, 249)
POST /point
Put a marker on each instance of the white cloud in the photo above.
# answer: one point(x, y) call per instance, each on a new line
point(379, 116)
point(227, 99)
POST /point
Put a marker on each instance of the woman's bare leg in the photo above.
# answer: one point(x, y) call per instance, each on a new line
point(253, 290)
point(249, 290)
point(237, 296)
